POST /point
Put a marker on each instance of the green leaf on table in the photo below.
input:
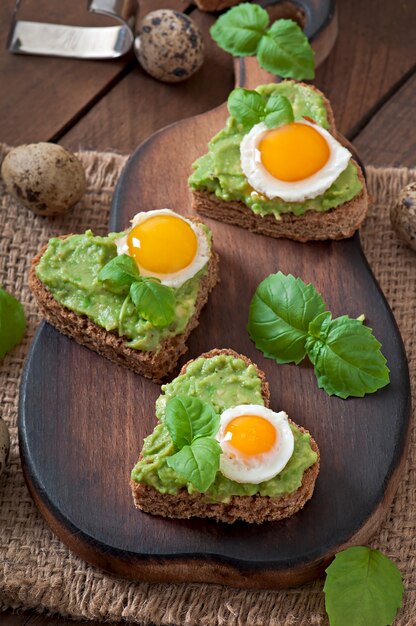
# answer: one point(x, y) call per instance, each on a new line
point(119, 273)
point(246, 106)
point(155, 302)
point(285, 51)
point(188, 418)
point(346, 356)
point(198, 463)
point(362, 588)
point(279, 316)
point(240, 29)
point(278, 111)
point(12, 322)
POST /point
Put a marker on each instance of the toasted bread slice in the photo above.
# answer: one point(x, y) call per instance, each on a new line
point(154, 365)
point(252, 509)
point(337, 223)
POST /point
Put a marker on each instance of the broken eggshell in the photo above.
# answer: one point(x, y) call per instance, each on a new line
point(403, 215)
point(169, 45)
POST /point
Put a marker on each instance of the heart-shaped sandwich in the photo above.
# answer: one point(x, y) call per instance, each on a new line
point(219, 451)
point(278, 167)
point(133, 297)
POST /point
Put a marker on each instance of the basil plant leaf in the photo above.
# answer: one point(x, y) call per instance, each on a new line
point(362, 587)
point(155, 302)
point(279, 317)
point(278, 111)
point(246, 106)
point(286, 51)
point(240, 29)
point(198, 463)
point(119, 273)
point(346, 357)
point(12, 322)
point(188, 418)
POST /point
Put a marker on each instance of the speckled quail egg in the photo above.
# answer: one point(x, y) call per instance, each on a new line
point(403, 215)
point(4, 444)
point(44, 177)
point(169, 45)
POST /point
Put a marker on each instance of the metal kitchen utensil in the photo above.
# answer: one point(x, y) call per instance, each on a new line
point(77, 42)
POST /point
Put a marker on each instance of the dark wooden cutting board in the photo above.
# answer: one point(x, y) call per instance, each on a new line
point(82, 419)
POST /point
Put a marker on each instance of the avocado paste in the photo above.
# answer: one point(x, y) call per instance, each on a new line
point(224, 381)
point(69, 269)
point(219, 171)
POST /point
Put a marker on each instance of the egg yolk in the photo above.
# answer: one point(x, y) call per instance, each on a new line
point(162, 244)
point(251, 434)
point(293, 152)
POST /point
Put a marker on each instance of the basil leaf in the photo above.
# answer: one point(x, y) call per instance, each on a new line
point(240, 29)
point(362, 587)
point(119, 273)
point(278, 111)
point(286, 51)
point(12, 322)
point(246, 106)
point(346, 356)
point(198, 463)
point(188, 418)
point(279, 317)
point(154, 301)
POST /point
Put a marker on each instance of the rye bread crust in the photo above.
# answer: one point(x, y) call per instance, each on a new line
point(338, 223)
point(252, 509)
point(154, 365)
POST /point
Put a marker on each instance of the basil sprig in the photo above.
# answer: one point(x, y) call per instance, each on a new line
point(288, 321)
point(192, 425)
point(154, 302)
point(250, 107)
point(362, 586)
point(283, 49)
point(12, 322)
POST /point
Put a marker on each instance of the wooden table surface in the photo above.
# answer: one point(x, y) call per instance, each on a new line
point(369, 77)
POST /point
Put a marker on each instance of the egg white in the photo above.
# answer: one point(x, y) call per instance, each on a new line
point(256, 468)
point(172, 279)
point(297, 191)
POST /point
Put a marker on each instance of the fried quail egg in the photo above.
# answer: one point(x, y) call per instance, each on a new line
point(256, 443)
point(166, 245)
point(293, 162)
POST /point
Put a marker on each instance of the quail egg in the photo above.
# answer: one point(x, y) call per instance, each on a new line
point(44, 177)
point(169, 45)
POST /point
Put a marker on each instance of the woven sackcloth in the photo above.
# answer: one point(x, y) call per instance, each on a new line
point(38, 571)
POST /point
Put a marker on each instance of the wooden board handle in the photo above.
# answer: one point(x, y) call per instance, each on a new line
point(319, 21)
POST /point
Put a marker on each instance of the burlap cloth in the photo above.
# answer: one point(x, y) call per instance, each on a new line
point(38, 571)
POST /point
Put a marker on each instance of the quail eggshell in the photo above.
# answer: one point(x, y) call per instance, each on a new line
point(403, 215)
point(44, 177)
point(169, 45)
point(4, 444)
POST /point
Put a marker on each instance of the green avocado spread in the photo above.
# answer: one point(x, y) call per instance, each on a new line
point(224, 381)
point(219, 171)
point(69, 269)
